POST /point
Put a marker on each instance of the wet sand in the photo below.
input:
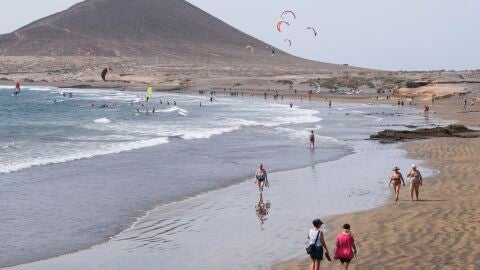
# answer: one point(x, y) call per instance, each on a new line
point(215, 228)
point(438, 232)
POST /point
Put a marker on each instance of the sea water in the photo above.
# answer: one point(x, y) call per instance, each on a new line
point(77, 170)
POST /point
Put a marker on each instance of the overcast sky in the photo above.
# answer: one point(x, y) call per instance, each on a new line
point(383, 34)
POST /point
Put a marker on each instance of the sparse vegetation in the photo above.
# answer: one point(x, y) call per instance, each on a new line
point(285, 82)
point(381, 83)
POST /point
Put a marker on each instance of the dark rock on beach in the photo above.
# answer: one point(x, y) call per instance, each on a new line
point(392, 136)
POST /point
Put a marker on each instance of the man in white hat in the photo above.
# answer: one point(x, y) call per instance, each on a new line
point(416, 181)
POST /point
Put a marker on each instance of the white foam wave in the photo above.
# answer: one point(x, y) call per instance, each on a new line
point(357, 112)
point(376, 118)
point(17, 165)
point(7, 145)
point(207, 132)
point(176, 109)
point(304, 135)
point(102, 121)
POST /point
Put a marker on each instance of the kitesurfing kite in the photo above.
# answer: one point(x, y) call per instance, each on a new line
point(313, 29)
point(289, 42)
point(104, 73)
point(251, 48)
point(272, 48)
point(149, 93)
point(279, 25)
point(287, 12)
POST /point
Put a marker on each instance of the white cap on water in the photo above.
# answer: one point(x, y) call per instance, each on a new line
point(414, 166)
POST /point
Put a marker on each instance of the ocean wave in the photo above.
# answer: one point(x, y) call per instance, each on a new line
point(6, 146)
point(102, 121)
point(17, 165)
point(176, 109)
point(109, 133)
point(376, 118)
point(304, 135)
point(208, 132)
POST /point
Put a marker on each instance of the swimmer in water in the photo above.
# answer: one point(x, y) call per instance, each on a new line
point(312, 140)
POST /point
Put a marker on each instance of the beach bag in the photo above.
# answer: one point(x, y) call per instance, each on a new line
point(312, 247)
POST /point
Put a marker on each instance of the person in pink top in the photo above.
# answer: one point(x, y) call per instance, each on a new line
point(346, 249)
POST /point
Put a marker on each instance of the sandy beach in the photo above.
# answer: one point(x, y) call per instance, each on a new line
point(97, 172)
point(438, 232)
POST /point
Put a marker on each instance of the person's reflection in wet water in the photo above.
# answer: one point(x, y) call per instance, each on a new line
point(262, 209)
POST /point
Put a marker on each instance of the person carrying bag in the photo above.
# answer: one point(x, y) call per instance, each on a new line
point(317, 245)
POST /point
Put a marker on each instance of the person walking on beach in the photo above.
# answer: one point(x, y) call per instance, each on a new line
point(261, 178)
point(329, 104)
point(396, 179)
point(316, 238)
point(416, 181)
point(312, 140)
point(346, 249)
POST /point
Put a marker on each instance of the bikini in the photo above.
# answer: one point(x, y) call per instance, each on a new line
point(414, 178)
point(396, 180)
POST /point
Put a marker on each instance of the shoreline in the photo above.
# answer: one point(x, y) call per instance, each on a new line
point(237, 196)
point(313, 100)
point(412, 235)
point(283, 170)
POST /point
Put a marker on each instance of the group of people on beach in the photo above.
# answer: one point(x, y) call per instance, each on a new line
point(397, 180)
point(345, 250)
point(345, 244)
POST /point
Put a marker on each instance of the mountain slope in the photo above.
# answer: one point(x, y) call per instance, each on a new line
point(127, 28)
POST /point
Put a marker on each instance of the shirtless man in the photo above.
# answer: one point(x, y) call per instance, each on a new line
point(312, 140)
point(397, 180)
point(416, 181)
point(261, 178)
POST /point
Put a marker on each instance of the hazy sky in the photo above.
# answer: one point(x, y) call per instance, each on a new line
point(383, 34)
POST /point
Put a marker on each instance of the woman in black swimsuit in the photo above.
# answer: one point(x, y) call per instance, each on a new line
point(261, 178)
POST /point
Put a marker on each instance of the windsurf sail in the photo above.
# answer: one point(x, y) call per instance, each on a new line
point(104, 74)
point(149, 93)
